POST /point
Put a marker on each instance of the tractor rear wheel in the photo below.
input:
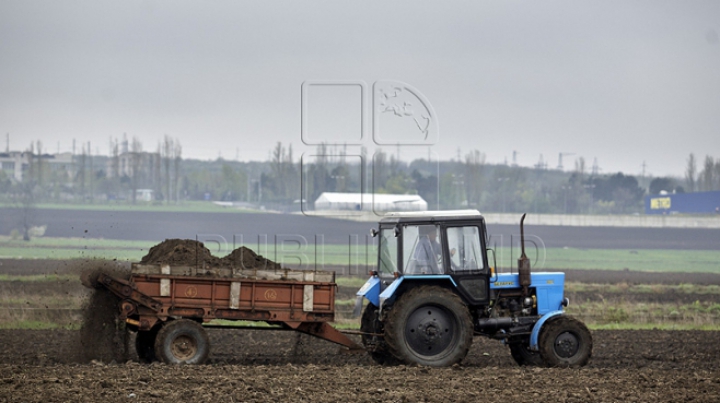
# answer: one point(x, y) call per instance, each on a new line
point(523, 356)
point(565, 342)
point(376, 346)
point(429, 325)
point(182, 341)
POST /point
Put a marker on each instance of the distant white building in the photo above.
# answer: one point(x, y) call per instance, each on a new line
point(370, 202)
point(16, 163)
point(144, 194)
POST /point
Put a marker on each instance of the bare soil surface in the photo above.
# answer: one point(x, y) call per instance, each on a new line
point(271, 366)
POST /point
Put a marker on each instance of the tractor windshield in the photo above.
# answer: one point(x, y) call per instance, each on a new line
point(387, 256)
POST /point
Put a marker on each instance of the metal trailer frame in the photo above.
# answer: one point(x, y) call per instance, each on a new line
point(147, 300)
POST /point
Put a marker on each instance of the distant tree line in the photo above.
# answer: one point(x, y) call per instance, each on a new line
point(282, 181)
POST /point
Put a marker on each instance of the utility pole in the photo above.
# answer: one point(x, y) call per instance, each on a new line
point(502, 182)
point(89, 146)
point(560, 159)
point(595, 167)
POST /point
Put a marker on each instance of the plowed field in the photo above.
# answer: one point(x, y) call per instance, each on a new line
point(271, 366)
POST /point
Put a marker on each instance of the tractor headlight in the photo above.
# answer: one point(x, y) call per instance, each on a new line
point(565, 302)
point(528, 301)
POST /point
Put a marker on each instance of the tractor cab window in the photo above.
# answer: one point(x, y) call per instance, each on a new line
point(464, 247)
point(422, 253)
point(388, 244)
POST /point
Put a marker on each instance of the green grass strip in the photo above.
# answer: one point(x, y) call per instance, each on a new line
point(33, 278)
point(360, 258)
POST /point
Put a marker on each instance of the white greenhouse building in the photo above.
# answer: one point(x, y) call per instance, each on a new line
point(369, 202)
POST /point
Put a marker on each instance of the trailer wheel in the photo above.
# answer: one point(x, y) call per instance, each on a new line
point(145, 345)
point(565, 342)
point(182, 341)
point(523, 356)
point(375, 345)
point(430, 326)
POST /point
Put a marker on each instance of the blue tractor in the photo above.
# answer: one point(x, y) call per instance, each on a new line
point(434, 290)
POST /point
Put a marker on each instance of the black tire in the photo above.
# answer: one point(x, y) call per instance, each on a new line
point(376, 346)
point(565, 342)
point(182, 341)
point(430, 326)
point(523, 356)
point(145, 345)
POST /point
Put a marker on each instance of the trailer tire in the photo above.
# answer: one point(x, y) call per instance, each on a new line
point(523, 356)
point(145, 345)
point(376, 346)
point(182, 341)
point(565, 342)
point(430, 326)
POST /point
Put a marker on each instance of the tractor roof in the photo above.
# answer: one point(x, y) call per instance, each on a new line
point(431, 216)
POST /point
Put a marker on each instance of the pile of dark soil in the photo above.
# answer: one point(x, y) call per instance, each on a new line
point(188, 252)
point(245, 258)
point(184, 252)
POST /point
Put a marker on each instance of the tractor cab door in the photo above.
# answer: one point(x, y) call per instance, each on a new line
point(467, 264)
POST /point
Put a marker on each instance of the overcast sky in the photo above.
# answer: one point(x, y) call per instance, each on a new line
point(623, 82)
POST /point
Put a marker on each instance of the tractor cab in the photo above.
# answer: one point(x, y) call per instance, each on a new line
point(433, 246)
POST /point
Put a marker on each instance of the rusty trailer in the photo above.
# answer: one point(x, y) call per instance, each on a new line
point(166, 305)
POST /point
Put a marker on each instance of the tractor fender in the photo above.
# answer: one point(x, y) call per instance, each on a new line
point(538, 325)
point(389, 292)
point(370, 290)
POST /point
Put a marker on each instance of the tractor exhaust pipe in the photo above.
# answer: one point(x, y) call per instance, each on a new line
point(523, 262)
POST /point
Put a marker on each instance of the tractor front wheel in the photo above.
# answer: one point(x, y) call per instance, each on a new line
point(565, 342)
point(182, 341)
point(429, 325)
